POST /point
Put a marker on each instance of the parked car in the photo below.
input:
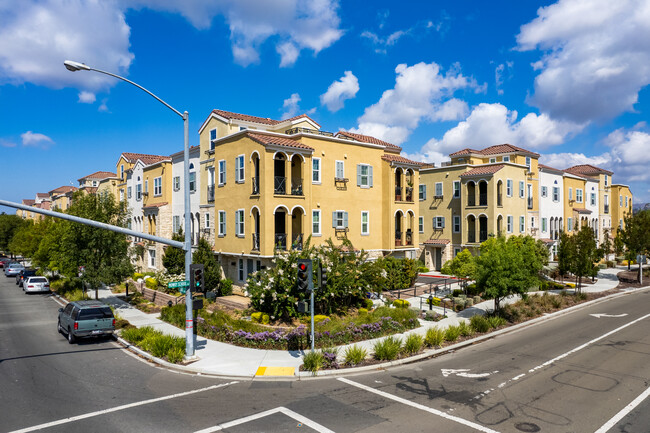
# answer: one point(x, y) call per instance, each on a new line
point(86, 319)
point(12, 269)
point(20, 276)
point(4, 261)
point(36, 284)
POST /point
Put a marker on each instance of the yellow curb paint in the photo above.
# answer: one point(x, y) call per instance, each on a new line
point(276, 371)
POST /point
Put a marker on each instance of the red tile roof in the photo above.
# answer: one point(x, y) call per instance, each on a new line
point(42, 195)
point(278, 141)
point(495, 150)
point(28, 202)
point(255, 119)
point(98, 175)
point(401, 159)
point(581, 210)
point(155, 205)
point(436, 242)
point(548, 167)
point(368, 139)
point(147, 159)
point(587, 170)
point(484, 169)
point(63, 189)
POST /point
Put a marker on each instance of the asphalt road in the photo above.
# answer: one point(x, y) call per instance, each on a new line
point(573, 373)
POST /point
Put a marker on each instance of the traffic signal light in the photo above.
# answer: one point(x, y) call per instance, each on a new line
point(304, 280)
point(322, 276)
point(197, 282)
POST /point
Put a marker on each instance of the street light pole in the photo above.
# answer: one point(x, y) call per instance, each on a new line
point(189, 320)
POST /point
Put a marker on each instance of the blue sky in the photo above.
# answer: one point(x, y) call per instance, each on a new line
point(567, 79)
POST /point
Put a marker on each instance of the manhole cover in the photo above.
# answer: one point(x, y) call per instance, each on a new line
point(527, 427)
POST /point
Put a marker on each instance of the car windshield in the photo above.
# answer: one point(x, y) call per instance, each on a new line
point(96, 313)
point(37, 280)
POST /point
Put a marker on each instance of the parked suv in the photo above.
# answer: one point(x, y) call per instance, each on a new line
point(86, 319)
point(22, 275)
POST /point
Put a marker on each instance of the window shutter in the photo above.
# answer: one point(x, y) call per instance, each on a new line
point(425, 191)
point(370, 175)
point(358, 174)
point(345, 220)
point(334, 219)
point(434, 222)
point(443, 222)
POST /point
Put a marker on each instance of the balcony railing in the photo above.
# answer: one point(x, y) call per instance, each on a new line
point(409, 193)
point(256, 186)
point(280, 186)
point(210, 193)
point(482, 236)
point(398, 193)
point(530, 202)
point(471, 237)
point(308, 131)
point(281, 241)
point(398, 239)
point(482, 199)
point(256, 241)
point(409, 238)
point(296, 242)
point(296, 187)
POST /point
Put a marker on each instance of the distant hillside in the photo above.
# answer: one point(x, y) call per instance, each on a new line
point(640, 206)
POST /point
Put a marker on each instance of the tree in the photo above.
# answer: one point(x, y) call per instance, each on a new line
point(565, 254)
point(636, 235)
point(103, 253)
point(211, 268)
point(507, 267)
point(9, 225)
point(174, 258)
point(461, 266)
point(586, 253)
point(606, 246)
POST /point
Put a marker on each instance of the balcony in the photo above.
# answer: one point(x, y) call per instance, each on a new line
point(280, 186)
point(482, 236)
point(471, 200)
point(409, 193)
point(530, 202)
point(409, 238)
point(482, 199)
point(210, 193)
point(256, 186)
point(280, 241)
point(398, 239)
point(296, 242)
point(471, 237)
point(308, 131)
point(296, 187)
point(606, 208)
point(256, 241)
point(398, 193)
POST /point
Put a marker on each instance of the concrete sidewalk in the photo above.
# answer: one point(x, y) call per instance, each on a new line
point(223, 359)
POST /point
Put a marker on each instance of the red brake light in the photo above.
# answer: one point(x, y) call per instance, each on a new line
point(76, 325)
point(113, 321)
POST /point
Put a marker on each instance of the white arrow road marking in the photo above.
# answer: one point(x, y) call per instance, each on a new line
point(599, 315)
point(462, 372)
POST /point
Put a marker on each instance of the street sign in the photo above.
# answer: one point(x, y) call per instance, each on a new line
point(178, 284)
point(640, 259)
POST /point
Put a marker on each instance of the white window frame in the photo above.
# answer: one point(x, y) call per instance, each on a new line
point(340, 216)
point(240, 223)
point(544, 191)
point(626, 197)
point(439, 189)
point(176, 223)
point(207, 220)
point(570, 194)
point(509, 187)
point(506, 158)
point(364, 180)
point(579, 195)
point(592, 199)
point(606, 180)
point(339, 169)
point(522, 224)
point(522, 189)
point(240, 170)
point(210, 138)
point(365, 231)
point(421, 224)
point(528, 162)
point(456, 251)
point(157, 189)
point(138, 191)
point(316, 220)
point(456, 223)
point(569, 224)
point(192, 181)
point(121, 194)
point(222, 223)
point(240, 270)
point(316, 171)
point(152, 258)
point(544, 224)
point(438, 222)
point(146, 186)
point(493, 160)
point(509, 223)
point(222, 171)
point(422, 191)
point(556, 194)
point(177, 183)
point(456, 188)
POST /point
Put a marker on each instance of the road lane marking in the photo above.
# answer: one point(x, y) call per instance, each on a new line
point(420, 406)
point(627, 409)
point(559, 357)
point(288, 412)
point(118, 408)
point(463, 372)
point(599, 315)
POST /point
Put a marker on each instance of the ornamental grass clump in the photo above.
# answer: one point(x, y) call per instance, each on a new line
point(434, 337)
point(354, 355)
point(412, 344)
point(387, 349)
point(465, 329)
point(155, 342)
point(496, 321)
point(452, 333)
point(479, 324)
point(313, 361)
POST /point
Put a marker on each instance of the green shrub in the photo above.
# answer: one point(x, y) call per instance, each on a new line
point(387, 349)
point(433, 301)
point(363, 311)
point(610, 264)
point(265, 319)
point(257, 317)
point(472, 289)
point(313, 361)
point(457, 292)
point(319, 318)
point(469, 303)
point(176, 355)
point(496, 321)
point(433, 316)
point(543, 285)
point(151, 283)
point(479, 324)
point(401, 303)
point(355, 355)
point(137, 276)
point(422, 269)
point(76, 295)
point(368, 303)
point(465, 329)
point(412, 344)
point(434, 337)
point(452, 333)
point(153, 341)
point(225, 287)
point(476, 299)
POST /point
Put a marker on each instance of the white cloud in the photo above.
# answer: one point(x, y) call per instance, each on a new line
point(86, 97)
point(291, 106)
point(421, 92)
point(345, 88)
point(381, 43)
point(36, 37)
point(490, 124)
point(7, 143)
point(34, 139)
point(103, 108)
point(596, 57)
point(499, 72)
